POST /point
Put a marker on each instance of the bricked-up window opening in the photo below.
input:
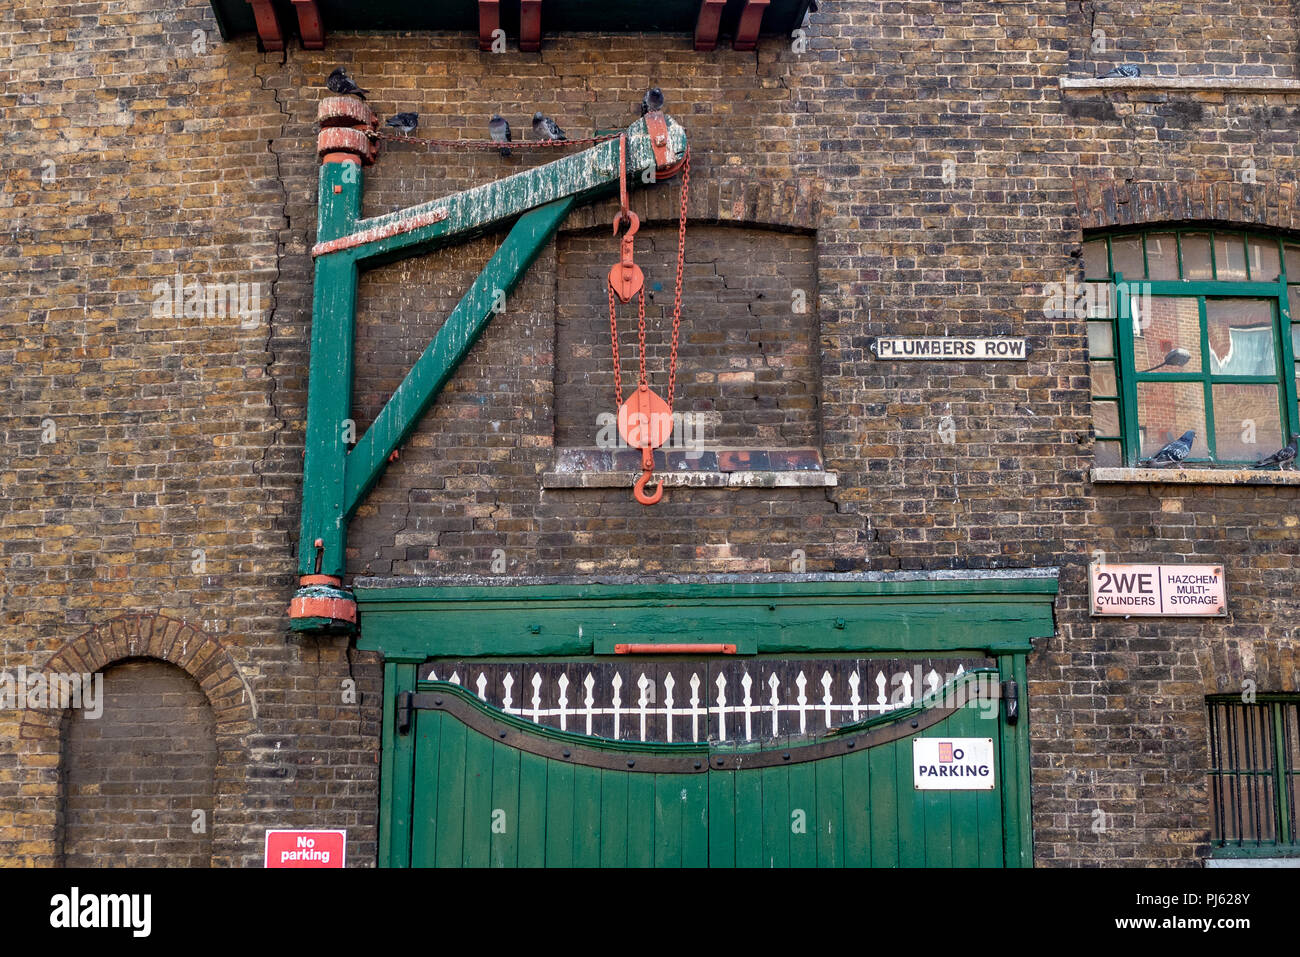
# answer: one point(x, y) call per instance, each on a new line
point(1191, 328)
point(137, 781)
point(1254, 766)
point(748, 366)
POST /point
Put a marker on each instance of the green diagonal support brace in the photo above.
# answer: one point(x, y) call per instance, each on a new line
point(335, 481)
point(402, 412)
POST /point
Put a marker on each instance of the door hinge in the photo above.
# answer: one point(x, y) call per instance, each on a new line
point(1011, 701)
point(404, 701)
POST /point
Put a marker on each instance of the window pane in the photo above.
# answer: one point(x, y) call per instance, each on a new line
point(1292, 263)
point(1196, 256)
point(1229, 258)
point(1101, 340)
point(1094, 260)
point(1168, 409)
point(1169, 339)
point(1241, 336)
point(1293, 301)
point(1265, 266)
point(1247, 423)
point(1098, 301)
point(1107, 455)
point(1105, 418)
point(1162, 256)
point(1126, 253)
point(1295, 338)
point(1103, 379)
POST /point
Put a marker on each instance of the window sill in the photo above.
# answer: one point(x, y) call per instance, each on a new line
point(577, 468)
point(1193, 476)
point(1286, 855)
point(1242, 84)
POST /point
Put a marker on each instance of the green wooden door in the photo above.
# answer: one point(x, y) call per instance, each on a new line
point(494, 789)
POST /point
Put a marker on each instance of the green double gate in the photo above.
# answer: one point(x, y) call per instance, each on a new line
point(468, 784)
point(493, 789)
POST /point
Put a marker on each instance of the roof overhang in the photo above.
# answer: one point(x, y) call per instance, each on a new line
point(276, 22)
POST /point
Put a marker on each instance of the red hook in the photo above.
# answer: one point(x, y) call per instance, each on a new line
point(638, 490)
point(647, 473)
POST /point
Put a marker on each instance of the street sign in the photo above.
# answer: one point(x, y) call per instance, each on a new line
point(953, 764)
point(1174, 590)
point(947, 348)
point(306, 848)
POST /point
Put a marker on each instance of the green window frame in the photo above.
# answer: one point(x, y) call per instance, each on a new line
point(1254, 775)
point(1205, 267)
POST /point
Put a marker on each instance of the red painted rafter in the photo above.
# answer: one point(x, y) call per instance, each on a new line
point(708, 24)
point(310, 25)
point(530, 25)
point(489, 21)
point(751, 19)
point(268, 27)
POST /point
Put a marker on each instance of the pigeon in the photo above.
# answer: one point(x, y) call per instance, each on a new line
point(405, 122)
point(1126, 72)
point(340, 82)
point(499, 130)
point(1283, 457)
point(545, 129)
point(653, 101)
point(1174, 452)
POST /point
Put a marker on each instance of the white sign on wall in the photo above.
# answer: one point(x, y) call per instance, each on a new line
point(947, 347)
point(1182, 590)
point(953, 764)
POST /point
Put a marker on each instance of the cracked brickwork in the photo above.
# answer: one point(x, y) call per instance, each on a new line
point(917, 166)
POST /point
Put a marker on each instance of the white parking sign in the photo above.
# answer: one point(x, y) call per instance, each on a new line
point(953, 764)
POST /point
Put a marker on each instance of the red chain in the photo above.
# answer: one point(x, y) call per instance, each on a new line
point(613, 341)
point(677, 308)
point(493, 144)
point(677, 295)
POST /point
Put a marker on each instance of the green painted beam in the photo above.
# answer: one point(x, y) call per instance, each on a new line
point(580, 176)
point(402, 412)
point(788, 617)
point(329, 389)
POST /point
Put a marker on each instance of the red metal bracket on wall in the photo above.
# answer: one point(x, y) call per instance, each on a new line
point(751, 19)
point(268, 27)
point(489, 21)
point(648, 648)
point(707, 26)
point(310, 25)
point(530, 25)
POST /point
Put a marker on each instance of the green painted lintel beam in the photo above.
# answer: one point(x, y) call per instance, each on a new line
point(402, 412)
point(803, 621)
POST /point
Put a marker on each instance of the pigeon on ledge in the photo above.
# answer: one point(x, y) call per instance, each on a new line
point(1174, 452)
point(1283, 457)
point(404, 122)
point(340, 82)
point(653, 101)
point(499, 130)
point(544, 128)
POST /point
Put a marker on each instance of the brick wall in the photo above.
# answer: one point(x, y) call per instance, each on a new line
point(177, 434)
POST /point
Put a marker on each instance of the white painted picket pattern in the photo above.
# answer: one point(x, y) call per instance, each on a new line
point(756, 718)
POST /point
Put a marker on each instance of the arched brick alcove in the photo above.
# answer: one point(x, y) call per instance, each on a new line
point(133, 638)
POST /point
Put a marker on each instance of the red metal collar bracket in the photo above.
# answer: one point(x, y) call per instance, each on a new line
point(268, 26)
point(310, 25)
point(751, 19)
point(530, 25)
point(489, 22)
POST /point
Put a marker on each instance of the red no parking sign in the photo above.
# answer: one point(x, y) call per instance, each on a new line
point(306, 848)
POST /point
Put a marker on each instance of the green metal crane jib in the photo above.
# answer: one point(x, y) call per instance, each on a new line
point(336, 480)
